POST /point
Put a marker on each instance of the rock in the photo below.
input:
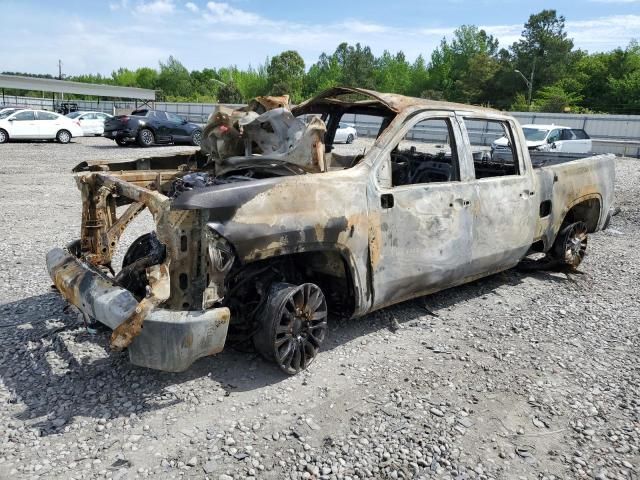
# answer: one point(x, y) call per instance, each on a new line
point(192, 462)
point(209, 467)
point(437, 412)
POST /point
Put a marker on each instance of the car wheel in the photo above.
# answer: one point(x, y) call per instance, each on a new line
point(293, 324)
point(350, 138)
point(4, 136)
point(196, 138)
point(146, 138)
point(121, 142)
point(570, 246)
point(63, 136)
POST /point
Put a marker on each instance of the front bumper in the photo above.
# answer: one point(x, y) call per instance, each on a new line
point(170, 340)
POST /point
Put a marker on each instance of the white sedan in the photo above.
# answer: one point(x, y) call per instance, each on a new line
point(92, 123)
point(38, 125)
point(345, 133)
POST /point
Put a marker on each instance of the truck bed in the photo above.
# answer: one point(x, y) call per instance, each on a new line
point(564, 180)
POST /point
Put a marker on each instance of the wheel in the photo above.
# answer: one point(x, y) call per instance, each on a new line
point(570, 246)
point(196, 138)
point(4, 136)
point(144, 252)
point(146, 138)
point(121, 142)
point(350, 138)
point(63, 136)
point(293, 324)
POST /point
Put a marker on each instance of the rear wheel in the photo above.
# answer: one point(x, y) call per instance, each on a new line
point(570, 246)
point(293, 324)
point(196, 138)
point(4, 136)
point(146, 138)
point(63, 136)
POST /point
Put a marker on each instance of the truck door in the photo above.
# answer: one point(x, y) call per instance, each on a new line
point(420, 210)
point(505, 207)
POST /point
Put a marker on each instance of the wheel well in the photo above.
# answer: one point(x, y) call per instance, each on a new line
point(587, 211)
point(248, 285)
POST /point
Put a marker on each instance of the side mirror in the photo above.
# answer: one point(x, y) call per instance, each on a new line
point(553, 145)
point(11, 119)
point(184, 122)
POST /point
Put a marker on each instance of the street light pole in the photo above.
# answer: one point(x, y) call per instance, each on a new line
point(529, 82)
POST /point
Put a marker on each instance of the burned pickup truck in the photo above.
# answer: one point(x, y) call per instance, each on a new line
point(268, 228)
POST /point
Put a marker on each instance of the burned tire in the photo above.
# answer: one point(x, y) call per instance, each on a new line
point(63, 136)
point(146, 138)
point(293, 324)
point(350, 139)
point(4, 136)
point(144, 252)
point(570, 246)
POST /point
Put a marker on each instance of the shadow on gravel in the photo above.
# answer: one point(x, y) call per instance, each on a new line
point(52, 365)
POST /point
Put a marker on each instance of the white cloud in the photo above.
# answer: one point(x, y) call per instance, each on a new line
point(219, 12)
point(122, 4)
point(155, 7)
point(192, 7)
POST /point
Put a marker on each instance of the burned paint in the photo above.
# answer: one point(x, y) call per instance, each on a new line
point(292, 215)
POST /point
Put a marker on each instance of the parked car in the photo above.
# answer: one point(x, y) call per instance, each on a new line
point(265, 245)
point(92, 123)
point(548, 138)
point(6, 111)
point(38, 125)
point(345, 133)
point(149, 127)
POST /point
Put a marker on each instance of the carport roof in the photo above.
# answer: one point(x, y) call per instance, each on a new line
point(63, 86)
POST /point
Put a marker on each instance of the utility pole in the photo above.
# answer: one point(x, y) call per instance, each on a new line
point(60, 76)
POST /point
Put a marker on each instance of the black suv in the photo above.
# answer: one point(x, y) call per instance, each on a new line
point(149, 127)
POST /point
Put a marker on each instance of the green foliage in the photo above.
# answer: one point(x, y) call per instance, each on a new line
point(286, 74)
point(469, 67)
point(520, 103)
point(555, 99)
point(174, 79)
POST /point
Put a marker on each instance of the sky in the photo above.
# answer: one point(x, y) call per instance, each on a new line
point(92, 36)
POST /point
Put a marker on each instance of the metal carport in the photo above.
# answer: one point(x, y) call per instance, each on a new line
point(64, 86)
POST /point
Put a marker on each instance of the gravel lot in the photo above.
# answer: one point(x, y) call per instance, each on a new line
point(517, 376)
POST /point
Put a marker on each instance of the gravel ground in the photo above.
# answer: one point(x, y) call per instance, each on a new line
point(517, 376)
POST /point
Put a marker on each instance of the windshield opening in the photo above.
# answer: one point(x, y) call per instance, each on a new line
point(535, 134)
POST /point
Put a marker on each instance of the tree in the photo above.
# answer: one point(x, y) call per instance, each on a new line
point(287, 72)
point(392, 73)
point(324, 74)
point(229, 93)
point(462, 69)
point(147, 78)
point(544, 46)
point(357, 64)
point(124, 77)
point(174, 80)
point(556, 99)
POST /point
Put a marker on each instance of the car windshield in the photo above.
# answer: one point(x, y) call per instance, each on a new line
point(73, 114)
point(535, 134)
